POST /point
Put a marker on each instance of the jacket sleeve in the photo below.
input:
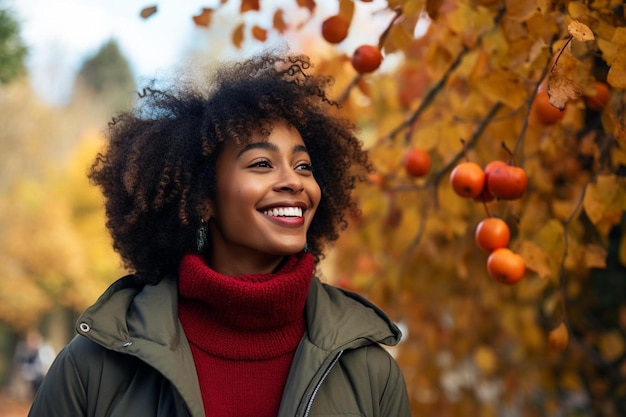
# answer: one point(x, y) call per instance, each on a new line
point(62, 392)
point(387, 384)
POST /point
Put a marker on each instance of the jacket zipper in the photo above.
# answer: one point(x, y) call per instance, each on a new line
point(319, 384)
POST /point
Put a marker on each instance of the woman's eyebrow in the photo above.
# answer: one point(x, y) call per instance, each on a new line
point(258, 145)
point(270, 147)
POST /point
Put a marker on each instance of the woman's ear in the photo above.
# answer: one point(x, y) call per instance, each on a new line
point(205, 210)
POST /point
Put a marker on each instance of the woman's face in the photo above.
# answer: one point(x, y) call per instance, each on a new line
point(266, 200)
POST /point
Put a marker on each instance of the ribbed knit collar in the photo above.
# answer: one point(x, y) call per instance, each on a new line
point(248, 317)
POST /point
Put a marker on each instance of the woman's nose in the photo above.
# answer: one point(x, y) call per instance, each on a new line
point(289, 181)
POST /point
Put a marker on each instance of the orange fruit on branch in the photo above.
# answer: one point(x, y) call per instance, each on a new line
point(492, 233)
point(601, 97)
point(335, 29)
point(507, 181)
point(505, 266)
point(366, 58)
point(417, 162)
point(467, 179)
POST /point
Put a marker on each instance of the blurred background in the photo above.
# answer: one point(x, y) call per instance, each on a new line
point(460, 80)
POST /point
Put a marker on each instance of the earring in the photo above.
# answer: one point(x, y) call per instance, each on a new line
point(201, 235)
point(306, 247)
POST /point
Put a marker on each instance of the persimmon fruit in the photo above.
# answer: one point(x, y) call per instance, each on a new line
point(600, 98)
point(507, 182)
point(545, 112)
point(417, 162)
point(492, 233)
point(335, 29)
point(486, 196)
point(505, 266)
point(366, 58)
point(467, 179)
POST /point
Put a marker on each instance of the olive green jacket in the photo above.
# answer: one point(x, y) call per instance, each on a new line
point(131, 358)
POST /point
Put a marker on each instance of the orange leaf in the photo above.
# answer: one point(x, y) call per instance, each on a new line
point(259, 33)
point(204, 18)
point(278, 21)
point(146, 12)
point(309, 4)
point(247, 5)
point(238, 36)
point(432, 8)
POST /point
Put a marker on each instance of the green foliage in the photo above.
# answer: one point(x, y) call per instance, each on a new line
point(107, 76)
point(12, 49)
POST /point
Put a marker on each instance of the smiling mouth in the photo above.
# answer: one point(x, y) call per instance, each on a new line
point(284, 212)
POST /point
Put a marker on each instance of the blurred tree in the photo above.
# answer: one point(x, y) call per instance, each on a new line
point(107, 76)
point(12, 49)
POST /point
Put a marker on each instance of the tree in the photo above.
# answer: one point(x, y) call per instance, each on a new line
point(12, 49)
point(107, 76)
point(539, 85)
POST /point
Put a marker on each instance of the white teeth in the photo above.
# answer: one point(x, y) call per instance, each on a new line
point(284, 212)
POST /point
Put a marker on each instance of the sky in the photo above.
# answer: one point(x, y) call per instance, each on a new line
point(61, 34)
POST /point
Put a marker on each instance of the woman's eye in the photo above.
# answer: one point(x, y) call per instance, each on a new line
point(304, 166)
point(260, 164)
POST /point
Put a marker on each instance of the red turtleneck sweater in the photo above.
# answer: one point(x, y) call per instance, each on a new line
point(243, 332)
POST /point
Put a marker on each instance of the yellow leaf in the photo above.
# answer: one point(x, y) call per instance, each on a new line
point(605, 201)
point(146, 12)
point(535, 258)
point(617, 73)
point(595, 256)
point(399, 39)
point(238, 35)
point(505, 86)
point(580, 31)
point(520, 10)
point(346, 9)
point(577, 10)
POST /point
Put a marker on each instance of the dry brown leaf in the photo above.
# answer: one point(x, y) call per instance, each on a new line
point(204, 18)
point(580, 31)
point(247, 5)
point(346, 9)
point(561, 89)
point(535, 258)
point(146, 12)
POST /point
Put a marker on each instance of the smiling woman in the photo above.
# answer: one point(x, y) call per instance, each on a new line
point(221, 202)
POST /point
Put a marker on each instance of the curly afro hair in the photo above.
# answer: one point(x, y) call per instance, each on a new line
point(159, 163)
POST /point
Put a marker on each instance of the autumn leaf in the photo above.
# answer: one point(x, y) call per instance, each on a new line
point(146, 12)
point(535, 258)
point(203, 19)
point(595, 256)
point(616, 76)
point(580, 31)
point(247, 5)
point(259, 33)
point(346, 9)
point(238, 35)
point(561, 89)
point(307, 4)
point(278, 21)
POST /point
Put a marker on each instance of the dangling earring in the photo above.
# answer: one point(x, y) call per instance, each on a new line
point(306, 247)
point(201, 235)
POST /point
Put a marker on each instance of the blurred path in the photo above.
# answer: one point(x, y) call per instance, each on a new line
point(11, 407)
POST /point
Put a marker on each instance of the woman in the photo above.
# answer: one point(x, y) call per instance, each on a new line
point(221, 204)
